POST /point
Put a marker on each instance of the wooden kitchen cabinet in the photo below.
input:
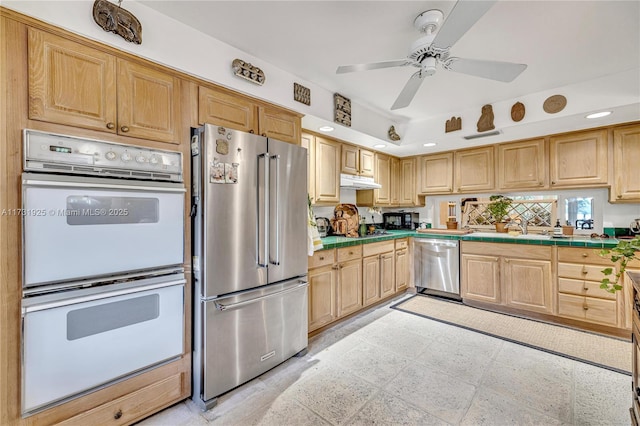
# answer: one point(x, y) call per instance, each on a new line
point(626, 158)
point(522, 165)
point(387, 274)
point(396, 181)
point(357, 161)
point(402, 268)
point(308, 141)
point(407, 185)
point(76, 85)
point(229, 109)
point(349, 287)
point(370, 279)
point(474, 169)
point(514, 275)
point(578, 159)
point(322, 296)
point(327, 171)
point(435, 173)
point(378, 271)
point(382, 196)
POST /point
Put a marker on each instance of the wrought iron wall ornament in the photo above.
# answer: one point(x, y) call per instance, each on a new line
point(486, 119)
point(452, 125)
point(342, 107)
point(301, 94)
point(247, 71)
point(115, 19)
point(393, 135)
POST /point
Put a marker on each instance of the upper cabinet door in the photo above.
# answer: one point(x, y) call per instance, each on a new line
point(222, 109)
point(626, 158)
point(278, 124)
point(383, 177)
point(70, 83)
point(579, 159)
point(327, 171)
point(148, 103)
point(367, 163)
point(350, 159)
point(407, 187)
point(475, 170)
point(435, 173)
point(522, 165)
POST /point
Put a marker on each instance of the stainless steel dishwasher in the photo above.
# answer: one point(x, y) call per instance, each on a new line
point(437, 267)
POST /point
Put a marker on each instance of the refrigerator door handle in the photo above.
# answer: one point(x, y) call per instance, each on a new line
point(265, 214)
point(276, 258)
point(222, 307)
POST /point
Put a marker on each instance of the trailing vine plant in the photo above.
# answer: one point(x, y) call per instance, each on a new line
point(623, 253)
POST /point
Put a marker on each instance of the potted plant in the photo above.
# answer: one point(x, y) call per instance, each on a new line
point(623, 253)
point(498, 207)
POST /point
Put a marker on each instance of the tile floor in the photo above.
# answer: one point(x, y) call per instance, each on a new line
point(392, 368)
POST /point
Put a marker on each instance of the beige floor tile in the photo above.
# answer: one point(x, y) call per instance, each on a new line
point(386, 409)
point(602, 397)
point(283, 412)
point(372, 363)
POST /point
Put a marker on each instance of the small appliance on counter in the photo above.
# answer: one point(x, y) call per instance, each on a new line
point(401, 220)
point(345, 220)
point(324, 226)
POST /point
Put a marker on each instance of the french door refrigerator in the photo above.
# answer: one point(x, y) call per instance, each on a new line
point(249, 210)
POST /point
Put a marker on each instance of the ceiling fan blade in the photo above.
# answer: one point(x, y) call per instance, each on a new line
point(464, 14)
point(410, 89)
point(372, 66)
point(493, 70)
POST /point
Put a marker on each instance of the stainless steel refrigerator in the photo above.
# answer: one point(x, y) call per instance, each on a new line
point(249, 210)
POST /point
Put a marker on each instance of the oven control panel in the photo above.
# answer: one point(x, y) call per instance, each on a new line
point(52, 152)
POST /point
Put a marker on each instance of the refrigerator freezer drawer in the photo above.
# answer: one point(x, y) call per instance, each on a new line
point(248, 335)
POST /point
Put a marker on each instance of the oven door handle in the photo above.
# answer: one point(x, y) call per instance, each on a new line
point(223, 307)
point(127, 186)
point(50, 303)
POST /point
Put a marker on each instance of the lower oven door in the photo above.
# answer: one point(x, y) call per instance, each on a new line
point(99, 226)
point(77, 341)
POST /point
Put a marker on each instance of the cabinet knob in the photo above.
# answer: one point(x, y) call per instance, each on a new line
point(124, 129)
point(111, 126)
point(553, 182)
point(584, 271)
point(585, 288)
point(117, 415)
point(264, 134)
point(321, 257)
point(334, 267)
point(251, 131)
point(350, 253)
point(619, 196)
point(585, 307)
point(584, 255)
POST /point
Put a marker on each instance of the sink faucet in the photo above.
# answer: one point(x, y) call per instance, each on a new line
point(522, 225)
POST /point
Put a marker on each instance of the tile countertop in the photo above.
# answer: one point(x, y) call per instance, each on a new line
point(570, 241)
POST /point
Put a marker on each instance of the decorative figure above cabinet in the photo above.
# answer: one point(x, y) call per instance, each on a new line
point(517, 111)
point(486, 119)
point(115, 19)
point(553, 104)
point(455, 123)
point(393, 135)
point(342, 108)
point(301, 94)
point(247, 71)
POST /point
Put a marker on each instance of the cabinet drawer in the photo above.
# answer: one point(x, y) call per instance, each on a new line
point(581, 272)
point(582, 255)
point(402, 243)
point(133, 406)
point(377, 248)
point(584, 288)
point(322, 258)
point(588, 309)
point(349, 253)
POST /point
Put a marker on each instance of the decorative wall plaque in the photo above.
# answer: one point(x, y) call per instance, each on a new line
point(555, 103)
point(452, 125)
point(486, 119)
point(517, 111)
point(112, 18)
point(342, 107)
point(301, 94)
point(393, 135)
point(247, 71)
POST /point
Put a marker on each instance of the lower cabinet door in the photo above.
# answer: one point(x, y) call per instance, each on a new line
point(402, 270)
point(371, 279)
point(349, 287)
point(528, 284)
point(480, 278)
point(387, 275)
point(322, 297)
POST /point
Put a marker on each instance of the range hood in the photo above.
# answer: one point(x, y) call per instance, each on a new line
point(358, 182)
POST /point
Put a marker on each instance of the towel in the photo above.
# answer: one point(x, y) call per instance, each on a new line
point(313, 236)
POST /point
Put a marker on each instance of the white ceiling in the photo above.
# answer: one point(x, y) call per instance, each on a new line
point(564, 44)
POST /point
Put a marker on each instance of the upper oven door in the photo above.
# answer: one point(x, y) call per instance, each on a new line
point(79, 227)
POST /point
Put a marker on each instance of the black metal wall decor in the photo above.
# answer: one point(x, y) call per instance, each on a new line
point(342, 108)
point(455, 123)
point(393, 135)
point(301, 94)
point(115, 19)
point(247, 71)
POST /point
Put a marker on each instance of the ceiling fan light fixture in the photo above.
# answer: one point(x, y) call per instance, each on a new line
point(598, 114)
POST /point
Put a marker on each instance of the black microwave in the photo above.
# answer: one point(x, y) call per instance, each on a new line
point(402, 220)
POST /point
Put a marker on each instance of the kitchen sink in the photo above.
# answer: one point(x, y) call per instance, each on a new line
point(508, 236)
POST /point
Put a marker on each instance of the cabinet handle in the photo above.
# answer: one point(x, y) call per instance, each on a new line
point(251, 131)
point(334, 267)
point(111, 126)
point(264, 134)
point(619, 196)
point(584, 271)
point(350, 253)
point(124, 129)
point(321, 257)
point(553, 182)
point(117, 415)
point(584, 255)
point(585, 307)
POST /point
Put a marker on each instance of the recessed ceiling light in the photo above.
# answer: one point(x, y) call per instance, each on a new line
point(599, 114)
point(430, 144)
point(380, 145)
point(326, 129)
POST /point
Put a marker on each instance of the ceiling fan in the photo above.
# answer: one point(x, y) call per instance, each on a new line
point(433, 48)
